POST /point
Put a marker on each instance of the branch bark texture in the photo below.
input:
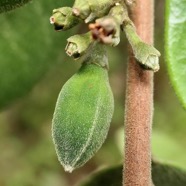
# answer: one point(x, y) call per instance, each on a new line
point(139, 105)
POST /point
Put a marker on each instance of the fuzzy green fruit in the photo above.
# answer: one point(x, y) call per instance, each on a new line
point(82, 116)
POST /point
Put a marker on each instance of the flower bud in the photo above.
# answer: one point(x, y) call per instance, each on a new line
point(62, 19)
point(147, 55)
point(89, 10)
point(78, 44)
point(144, 53)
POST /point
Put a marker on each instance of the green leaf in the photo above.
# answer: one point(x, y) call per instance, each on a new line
point(162, 175)
point(7, 5)
point(29, 48)
point(106, 177)
point(175, 46)
point(166, 175)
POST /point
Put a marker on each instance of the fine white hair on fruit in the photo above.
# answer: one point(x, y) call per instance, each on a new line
point(82, 116)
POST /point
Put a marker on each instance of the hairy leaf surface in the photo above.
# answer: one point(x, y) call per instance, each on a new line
point(175, 46)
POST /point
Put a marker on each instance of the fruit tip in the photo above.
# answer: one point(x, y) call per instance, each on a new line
point(68, 168)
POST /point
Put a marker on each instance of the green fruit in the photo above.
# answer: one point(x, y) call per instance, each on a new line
point(82, 116)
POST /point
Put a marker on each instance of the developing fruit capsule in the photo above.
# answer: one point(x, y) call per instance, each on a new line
point(82, 116)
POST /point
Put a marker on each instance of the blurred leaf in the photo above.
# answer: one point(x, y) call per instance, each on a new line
point(175, 46)
point(6, 5)
point(164, 147)
point(29, 46)
point(106, 177)
point(166, 175)
point(162, 175)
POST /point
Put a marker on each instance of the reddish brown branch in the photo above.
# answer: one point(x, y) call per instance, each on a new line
point(139, 105)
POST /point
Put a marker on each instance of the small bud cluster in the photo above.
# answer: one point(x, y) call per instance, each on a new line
point(106, 18)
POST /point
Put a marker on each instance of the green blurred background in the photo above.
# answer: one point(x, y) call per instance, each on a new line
point(33, 68)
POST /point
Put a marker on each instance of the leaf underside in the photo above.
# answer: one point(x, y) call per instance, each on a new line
point(175, 46)
point(162, 175)
point(7, 5)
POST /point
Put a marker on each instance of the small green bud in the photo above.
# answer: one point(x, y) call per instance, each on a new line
point(62, 19)
point(81, 9)
point(147, 55)
point(78, 44)
point(89, 10)
point(144, 53)
point(118, 12)
point(99, 8)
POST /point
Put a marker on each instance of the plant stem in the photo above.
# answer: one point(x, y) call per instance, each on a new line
point(139, 105)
